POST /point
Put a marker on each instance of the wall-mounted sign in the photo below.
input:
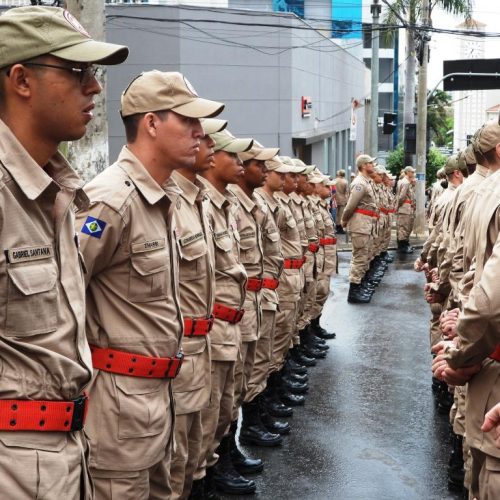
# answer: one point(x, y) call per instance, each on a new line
point(306, 106)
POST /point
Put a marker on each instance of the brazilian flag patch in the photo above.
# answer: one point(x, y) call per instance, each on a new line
point(93, 227)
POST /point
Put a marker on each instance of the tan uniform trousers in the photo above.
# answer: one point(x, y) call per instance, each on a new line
point(387, 235)
point(361, 254)
point(242, 373)
point(215, 419)
point(322, 294)
point(188, 440)
point(435, 334)
point(306, 301)
point(55, 469)
point(340, 212)
point(147, 484)
point(485, 476)
point(404, 226)
point(263, 353)
point(283, 334)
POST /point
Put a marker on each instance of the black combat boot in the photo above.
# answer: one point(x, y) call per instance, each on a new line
point(272, 400)
point(356, 294)
point(387, 256)
point(444, 400)
point(270, 423)
point(292, 385)
point(209, 486)
point(295, 367)
point(252, 431)
point(197, 490)
point(286, 396)
point(293, 375)
point(339, 229)
point(225, 477)
point(456, 472)
point(406, 248)
point(242, 463)
point(319, 331)
point(300, 357)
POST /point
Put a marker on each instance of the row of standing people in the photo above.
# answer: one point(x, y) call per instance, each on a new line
point(459, 260)
point(178, 290)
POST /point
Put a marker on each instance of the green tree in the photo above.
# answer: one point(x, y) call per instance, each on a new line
point(440, 118)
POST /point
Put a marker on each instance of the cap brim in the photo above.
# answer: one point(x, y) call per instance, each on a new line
point(236, 146)
point(213, 125)
point(267, 154)
point(308, 169)
point(315, 180)
point(92, 51)
point(199, 108)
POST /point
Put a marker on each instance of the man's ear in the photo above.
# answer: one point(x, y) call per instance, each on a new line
point(18, 81)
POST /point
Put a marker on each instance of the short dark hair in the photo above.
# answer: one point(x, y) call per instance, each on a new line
point(491, 156)
point(131, 123)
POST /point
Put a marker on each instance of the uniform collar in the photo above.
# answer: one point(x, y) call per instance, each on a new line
point(218, 199)
point(482, 170)
point(281, 195)
point(189, 190)
point(270, 200)
point(295, 197)
point(30, 177)
point(141, 178)
point(245, 201)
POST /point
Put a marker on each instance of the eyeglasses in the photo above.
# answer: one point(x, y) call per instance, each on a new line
point(85, 75)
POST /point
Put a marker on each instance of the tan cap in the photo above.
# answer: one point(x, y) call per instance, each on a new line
point(276, 165)
point(290, 164)
point(307, 169)
point(160, 91)
point(362, 159)
point(329, 182)
point(225, 141)
point(469, 155)
point(212, 125)
point(451, 165)
point(259, 152)
point(488, 137)
point(341, 172)
point(380, 169)
point(462, 164)
point(29, 32)
point(409, 169)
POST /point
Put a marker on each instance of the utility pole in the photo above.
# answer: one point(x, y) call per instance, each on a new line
point(375, 9)
point(422, 121)
point(90, 155)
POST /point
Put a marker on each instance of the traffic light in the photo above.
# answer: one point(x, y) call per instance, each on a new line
point(410, 138)
point(390, 123)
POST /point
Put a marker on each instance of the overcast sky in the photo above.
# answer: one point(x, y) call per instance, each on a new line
point(447, 46)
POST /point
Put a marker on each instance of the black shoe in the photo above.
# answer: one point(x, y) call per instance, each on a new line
point(292, 399)
point(271, 424)
point(319, 331)
point(299, 357)
point(356, 295)
point(225, 477)
point(277, 409)
point(293, 386)
point(311, 352)
point(252, 431)
point(296, 377)
point(197, 490)
point(272, 399)
point(208, 485)
point(296, 367)
point(242, 463)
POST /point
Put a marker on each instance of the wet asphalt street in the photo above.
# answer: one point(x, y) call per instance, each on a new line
point(369, 429)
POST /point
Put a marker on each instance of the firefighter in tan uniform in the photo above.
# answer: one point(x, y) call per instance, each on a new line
point(220, 460)
point(134, 323)
point(360, 217)
point(192, 386)
point(45, 356)
point(406, 208)
point(341, 196)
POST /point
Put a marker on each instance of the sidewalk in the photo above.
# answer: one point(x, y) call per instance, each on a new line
point(416, 241)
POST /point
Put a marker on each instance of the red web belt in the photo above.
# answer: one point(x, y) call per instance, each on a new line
point(228, 314)
point(313, 247)
point(135, 365)
point(371, 213)
point(198, 327)
point(46, 416)
point(293, 263)
point(254, 284)
point(270, 283)
point(327, 241)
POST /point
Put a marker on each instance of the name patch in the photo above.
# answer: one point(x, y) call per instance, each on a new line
point(191, 238)
point(247, 234)
point(30, 253)
point(146, 246)
point(220, 234)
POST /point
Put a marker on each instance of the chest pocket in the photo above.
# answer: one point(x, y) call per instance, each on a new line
point(224, 258)
point(32, 298)
point(148, 273)
point(249, 253)
point(272, 243)
point(193, 264)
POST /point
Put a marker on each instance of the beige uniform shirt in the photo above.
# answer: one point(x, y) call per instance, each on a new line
point(362, 197)
point(329, 232)
point(44, 354)
point(230, 275)
point(133, 306)
point(273, 254)
point(250, 220)
point(319, 225)
point(341, 191)
point(291, 279)
point(196, 289)
point(405, 194)
point(312, 237)
point(295, 205)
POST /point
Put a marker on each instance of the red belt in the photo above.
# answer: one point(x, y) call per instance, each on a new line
point(385, 210)
point(254, 284)
point(22, 415)
point(371, 213)
point(135, 365)
point(496, 354)
point(327, 241)
point(408, 202)
point(270, 283)
point(293, 263)
point(197, 327)
point(313, 247)
point(392, 211)
point(228, 314)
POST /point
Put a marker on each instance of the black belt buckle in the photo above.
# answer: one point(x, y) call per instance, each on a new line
point(79, 406)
